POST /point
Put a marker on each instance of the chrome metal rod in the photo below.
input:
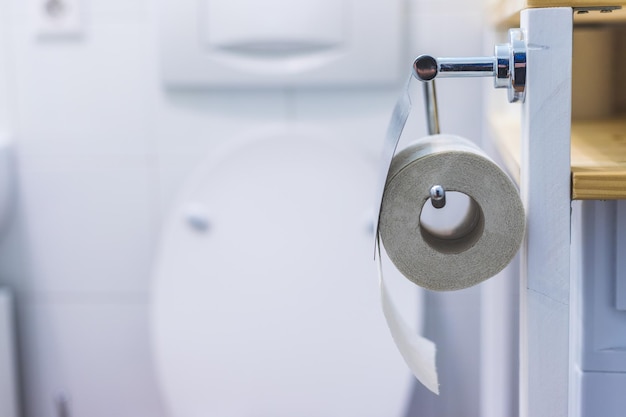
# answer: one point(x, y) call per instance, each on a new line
point(507, 66)
point(466, 67)
point(432, 113)
point(438, 196)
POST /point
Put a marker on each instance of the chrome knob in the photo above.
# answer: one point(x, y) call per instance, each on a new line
point(438, 196)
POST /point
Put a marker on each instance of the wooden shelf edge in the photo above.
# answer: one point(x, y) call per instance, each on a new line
point(599, 159)
point(506, 14)
point(598, 155)
point(598, 185)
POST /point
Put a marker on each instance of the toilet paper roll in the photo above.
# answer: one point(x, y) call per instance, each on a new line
point(481, 245)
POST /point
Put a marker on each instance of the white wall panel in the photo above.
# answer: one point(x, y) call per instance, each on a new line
point(84, 95)
point(96, 355)
point(84, 224)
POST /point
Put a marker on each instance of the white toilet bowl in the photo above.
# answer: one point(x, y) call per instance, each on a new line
point(265, 299)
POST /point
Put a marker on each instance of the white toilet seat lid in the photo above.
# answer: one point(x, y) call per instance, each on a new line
point(268, 306)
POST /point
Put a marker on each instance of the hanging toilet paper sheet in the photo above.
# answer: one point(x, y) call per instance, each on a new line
point(478, 247)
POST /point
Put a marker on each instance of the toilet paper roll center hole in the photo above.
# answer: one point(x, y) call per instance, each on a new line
point(454, 228)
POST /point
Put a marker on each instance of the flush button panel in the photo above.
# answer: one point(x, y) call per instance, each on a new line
point(280, 43)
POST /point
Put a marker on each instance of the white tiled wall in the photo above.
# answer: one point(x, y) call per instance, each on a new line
point(92, 350)
point(101, 151)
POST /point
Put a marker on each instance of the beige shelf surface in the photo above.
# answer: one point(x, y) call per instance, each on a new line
point(598, 155)
point(505, 13)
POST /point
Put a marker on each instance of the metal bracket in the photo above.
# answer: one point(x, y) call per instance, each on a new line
point(601, 9)
point(507, 66)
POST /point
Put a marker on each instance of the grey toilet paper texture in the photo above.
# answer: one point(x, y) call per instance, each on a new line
point(481, 246)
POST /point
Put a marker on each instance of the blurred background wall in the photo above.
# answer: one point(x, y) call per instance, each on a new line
point(102, 148)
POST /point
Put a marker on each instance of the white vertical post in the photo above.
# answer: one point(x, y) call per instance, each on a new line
point(545, 189)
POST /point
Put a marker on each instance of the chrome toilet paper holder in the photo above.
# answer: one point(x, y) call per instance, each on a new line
point(507, 66)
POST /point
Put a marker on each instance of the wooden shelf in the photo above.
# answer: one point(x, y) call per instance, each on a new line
point(505, 13)
point(598, 146)
point(599, 160)
point(598, 155)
